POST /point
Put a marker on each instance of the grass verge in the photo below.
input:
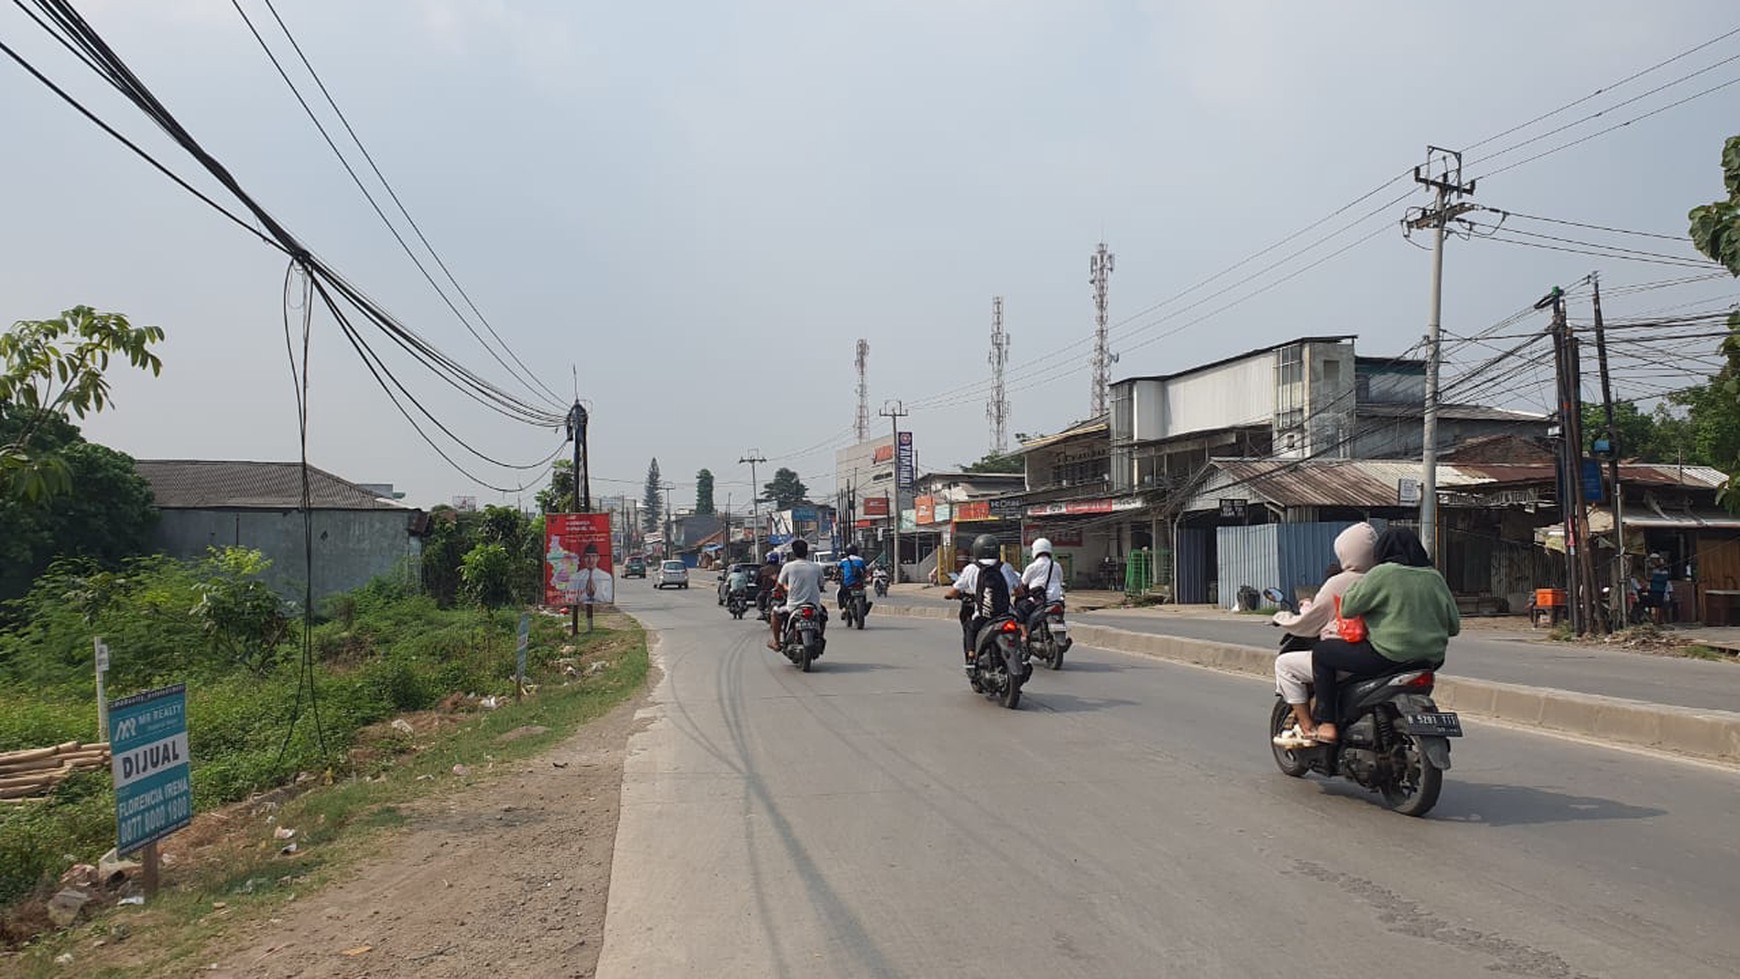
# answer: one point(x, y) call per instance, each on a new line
point(228, 868)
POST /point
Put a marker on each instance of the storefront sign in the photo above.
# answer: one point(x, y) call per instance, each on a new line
point(1234, 509)
point(1059, 536)
point(1005, 509)
point(883, 453)
point(908, 521)
point(876, 506)
point(944, 513)
point(1079, 507)
point(903, 465)
point(924, 509)
point(973, 510)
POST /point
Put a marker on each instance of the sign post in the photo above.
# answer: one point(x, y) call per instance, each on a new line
point(102, 651)
point(149, 763)
point(520, 656)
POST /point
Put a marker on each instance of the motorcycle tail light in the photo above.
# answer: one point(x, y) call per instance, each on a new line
point(1418, 681)
point(1057, 610)
point(1422, 680)
point(1011, 626)
point(809, 613)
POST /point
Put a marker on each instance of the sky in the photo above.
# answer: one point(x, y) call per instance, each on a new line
point(689, 213)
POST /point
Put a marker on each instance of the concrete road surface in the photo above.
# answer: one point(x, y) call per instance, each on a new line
point(1474, 654)
point(875, 818)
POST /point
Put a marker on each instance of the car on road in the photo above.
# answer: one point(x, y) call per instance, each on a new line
point(725, 580)
point(672, 574)
point(634, 568)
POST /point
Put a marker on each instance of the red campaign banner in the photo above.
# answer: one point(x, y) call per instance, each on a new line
point(876, 506)
point(577, 564)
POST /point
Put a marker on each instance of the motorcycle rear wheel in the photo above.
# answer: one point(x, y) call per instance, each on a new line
point(858, 613)
point(1291, 763)
point(1416, 791)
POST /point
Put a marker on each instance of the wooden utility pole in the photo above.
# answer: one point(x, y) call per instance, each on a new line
point(1616, 608)
point(1580, 566)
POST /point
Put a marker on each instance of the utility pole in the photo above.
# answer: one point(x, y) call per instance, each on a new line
point(861, 424)
point(1579, 563)
point(754, 456)
point(1446, 183)
point(576, 423)
point(670, 521)
point(997, 412)
point(1616, 610)
point(1099, 276)
point(894, 411)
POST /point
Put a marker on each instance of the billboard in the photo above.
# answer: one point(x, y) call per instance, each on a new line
point(925, 509)
point(577, 560)
point(882, 453)
point(148, 755)
point(876, 506)
point(973, 510)
point(903, 461)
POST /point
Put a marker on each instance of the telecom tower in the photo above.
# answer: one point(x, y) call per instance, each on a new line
point(862, 425)
point(1100, 274)
point(997, 412)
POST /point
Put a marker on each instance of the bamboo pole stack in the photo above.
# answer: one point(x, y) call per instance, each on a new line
point(32, 773)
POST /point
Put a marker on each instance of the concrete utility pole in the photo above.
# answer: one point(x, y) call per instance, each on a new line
point(894, 411)
point(1100, 276)
point(997, 412)
point(582, 493)
point(861, 424)
point(1446, 183)
point(754, 456)
point(670, 521)
point(1616, 611)
point(1580, 568)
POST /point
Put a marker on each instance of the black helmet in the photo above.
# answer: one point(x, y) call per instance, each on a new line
point(852, 550)
point(985, 546)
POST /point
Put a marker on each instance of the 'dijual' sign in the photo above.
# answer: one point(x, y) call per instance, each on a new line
point(149, 762)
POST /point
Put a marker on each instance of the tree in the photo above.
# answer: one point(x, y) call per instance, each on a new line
point(1656, 436)
point(704, 492)
point(108, 519)
point(786, 490)
point(559, 495)
point(44, 377)
point(999, 462)
point(1714, 410)
point(488, 571)
point(649, 500)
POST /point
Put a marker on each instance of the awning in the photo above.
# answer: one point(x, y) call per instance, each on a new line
point(1601, 525)
point(710, 548)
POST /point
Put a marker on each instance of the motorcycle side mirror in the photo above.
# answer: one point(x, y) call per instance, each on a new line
point(1275, 596)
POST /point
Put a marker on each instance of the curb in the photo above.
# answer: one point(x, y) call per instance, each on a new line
point(1710, 734)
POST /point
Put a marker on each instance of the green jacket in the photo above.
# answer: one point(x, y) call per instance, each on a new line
point(1409, 612)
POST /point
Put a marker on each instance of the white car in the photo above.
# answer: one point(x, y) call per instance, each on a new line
point(673, 574)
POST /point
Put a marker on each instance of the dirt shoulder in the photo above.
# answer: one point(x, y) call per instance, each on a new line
point(508, 877)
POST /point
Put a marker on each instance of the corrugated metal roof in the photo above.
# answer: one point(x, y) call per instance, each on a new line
point(200, 484)
point(1100, 424)
point(1458, 412)
point(1359, 483)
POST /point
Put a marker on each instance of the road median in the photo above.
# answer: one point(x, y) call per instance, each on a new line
point(1709, 734)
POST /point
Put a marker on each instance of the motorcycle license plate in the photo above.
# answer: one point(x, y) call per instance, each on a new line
point(1443, 724)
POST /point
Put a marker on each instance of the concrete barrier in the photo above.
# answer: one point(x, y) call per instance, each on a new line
point(1711, 734)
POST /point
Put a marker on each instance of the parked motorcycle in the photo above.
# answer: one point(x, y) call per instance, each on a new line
point(857, 607)
point(1048, 637)
point(1001, 664)
point(1393, 738)
point(803, 640)
point(737, 604)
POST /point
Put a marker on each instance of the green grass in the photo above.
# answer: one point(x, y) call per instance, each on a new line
point(337, 823)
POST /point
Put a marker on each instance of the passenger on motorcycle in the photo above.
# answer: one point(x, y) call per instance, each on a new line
point(765, 581)
point(1353, 551)
point(1043, 581)
point(1409, 616)
point(992, 587)
point(852, 568)
point(801, 581)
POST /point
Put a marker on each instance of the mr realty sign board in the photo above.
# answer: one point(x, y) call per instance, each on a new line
point(149, 762)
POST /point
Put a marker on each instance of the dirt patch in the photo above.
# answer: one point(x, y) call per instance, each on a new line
point(508, 877)
point(523, 731)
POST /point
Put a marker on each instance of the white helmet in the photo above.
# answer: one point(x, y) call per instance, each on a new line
point(1041, 546)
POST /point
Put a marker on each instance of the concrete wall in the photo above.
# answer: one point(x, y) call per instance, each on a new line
point(351, 547)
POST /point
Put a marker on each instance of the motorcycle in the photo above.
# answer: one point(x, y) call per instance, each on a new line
point(880, 581)
point(803, 640)
point(1393, 738)
point(1001, 665)
point(1048, 636)
point(737, 604)
point(856, 607)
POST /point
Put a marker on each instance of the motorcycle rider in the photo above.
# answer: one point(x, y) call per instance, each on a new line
point(765, 579)
point(1409, 616)
point(737, 583)
point(991, 584)
point(801, 580)
point(1043, 581)
point(1353, 551)
point(852, 568)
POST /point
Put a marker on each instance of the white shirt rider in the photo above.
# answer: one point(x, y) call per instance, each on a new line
point(968, 583)
point(802, 580)
point(1043, 575)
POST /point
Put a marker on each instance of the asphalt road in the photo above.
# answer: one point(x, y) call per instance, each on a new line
point(1565, 666)
point(875, 818)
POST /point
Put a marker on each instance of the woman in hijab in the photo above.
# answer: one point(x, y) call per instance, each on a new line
point(1409, 616)
point(1354, 549)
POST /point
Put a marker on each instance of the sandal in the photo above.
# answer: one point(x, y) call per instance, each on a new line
point(1317, 736)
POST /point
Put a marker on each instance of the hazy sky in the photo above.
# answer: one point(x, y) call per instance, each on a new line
point(700, 207)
